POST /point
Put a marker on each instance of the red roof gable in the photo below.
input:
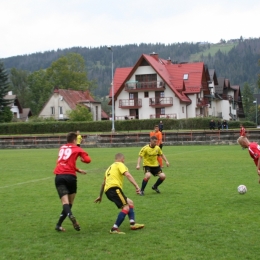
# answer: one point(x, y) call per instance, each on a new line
point(73, 97)
point(172, 74)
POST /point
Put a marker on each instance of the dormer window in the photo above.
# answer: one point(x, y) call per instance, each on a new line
point(185, 76)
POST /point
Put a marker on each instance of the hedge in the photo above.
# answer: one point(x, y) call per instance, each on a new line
point(105, 126)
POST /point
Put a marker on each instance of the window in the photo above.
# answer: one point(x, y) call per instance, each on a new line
point(52, 110)
point(146, 94)
point(162, 94)
point(185, 76)
point(163, 111)
point(146, 78)
point(61, 111)
point(131, 96)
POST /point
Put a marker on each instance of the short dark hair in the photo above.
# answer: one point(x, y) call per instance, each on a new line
point(153, 138)
point(71, 137)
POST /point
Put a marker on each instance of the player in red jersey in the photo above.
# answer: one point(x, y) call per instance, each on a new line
point(242, 130)
point(254, 151)
point(66, 178)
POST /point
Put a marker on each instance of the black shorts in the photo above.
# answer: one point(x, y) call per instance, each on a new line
point(116, 195)
point(66, 184)
point(153, 170)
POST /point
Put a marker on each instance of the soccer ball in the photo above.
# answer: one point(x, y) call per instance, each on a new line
point(241, 189)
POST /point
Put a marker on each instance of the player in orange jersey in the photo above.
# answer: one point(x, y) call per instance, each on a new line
point(158, 135)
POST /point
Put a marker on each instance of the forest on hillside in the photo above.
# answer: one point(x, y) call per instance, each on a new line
point(240, 64)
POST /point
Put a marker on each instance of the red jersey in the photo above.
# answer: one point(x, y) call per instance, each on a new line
point(242, 131)
point(254, 151)
point(68, 154)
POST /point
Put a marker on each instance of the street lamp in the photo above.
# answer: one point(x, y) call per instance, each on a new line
point(255, 102)
point(112, 86)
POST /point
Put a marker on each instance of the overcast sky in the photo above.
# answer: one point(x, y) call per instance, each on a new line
point(29, 26)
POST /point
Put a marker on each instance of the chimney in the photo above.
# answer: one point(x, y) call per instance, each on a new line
point(155, 55)
point(169, 61)
point(10, 93)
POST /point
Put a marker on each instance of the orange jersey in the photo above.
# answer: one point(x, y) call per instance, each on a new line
point(158, 135)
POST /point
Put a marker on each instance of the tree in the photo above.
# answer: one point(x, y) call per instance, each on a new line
point(80, 113)
point(248, 99)
point(5, 112)
point(19, 85)
point(40, 90)
point(68, 72)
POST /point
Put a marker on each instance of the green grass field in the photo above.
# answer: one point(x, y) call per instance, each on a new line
point(198, 215)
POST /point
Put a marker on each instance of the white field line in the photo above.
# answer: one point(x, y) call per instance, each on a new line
point(32, 181)
point(21, 183)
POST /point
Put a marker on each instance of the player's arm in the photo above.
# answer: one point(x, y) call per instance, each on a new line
point(84, 157)
point(159, 139)
point(81, 171)
point(132, 180)
point(99, 198)
point(138, 162)
point(165, 159)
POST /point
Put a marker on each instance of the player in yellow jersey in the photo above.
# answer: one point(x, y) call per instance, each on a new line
point(112, 186)
point(79, 139)
point(151, 166)
point(158, 134)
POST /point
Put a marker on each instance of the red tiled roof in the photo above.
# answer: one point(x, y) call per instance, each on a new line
point(172, 74)
point(73, 97)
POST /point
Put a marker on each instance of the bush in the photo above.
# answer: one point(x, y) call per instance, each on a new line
point(51, 127)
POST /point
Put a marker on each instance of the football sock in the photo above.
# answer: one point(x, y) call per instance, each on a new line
point(67, 210)
point(144, 183)
point(158, 182)
point(121, 217)
point(62, 216)
point(131, 215)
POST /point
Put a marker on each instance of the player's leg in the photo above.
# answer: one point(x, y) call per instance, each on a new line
point(72, 218)
point(159, 181)
point(67, 187)
point(131, 216)
point(117, 196)
point(146, 178)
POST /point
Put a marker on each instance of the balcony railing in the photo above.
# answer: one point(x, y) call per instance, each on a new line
point(130, 103)
point(134, 86)
point(172, 116)
point(227, 97)
point(161, 102)
point(125, 117)
point(202, 102)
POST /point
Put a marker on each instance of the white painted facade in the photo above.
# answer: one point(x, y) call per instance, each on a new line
point(58, 108)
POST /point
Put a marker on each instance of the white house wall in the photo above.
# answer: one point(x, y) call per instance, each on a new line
point(55, 101)
point(146, 110)
point(15, 110)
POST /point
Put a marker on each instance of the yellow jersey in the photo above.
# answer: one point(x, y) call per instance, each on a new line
point(79, 139)
point(115, 175)
point(150, 154)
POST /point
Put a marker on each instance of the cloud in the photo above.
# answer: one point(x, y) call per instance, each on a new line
point(36, 26)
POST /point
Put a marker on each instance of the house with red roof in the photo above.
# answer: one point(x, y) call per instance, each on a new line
point(64, 100)
point(158, 88)
point(225, 99)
